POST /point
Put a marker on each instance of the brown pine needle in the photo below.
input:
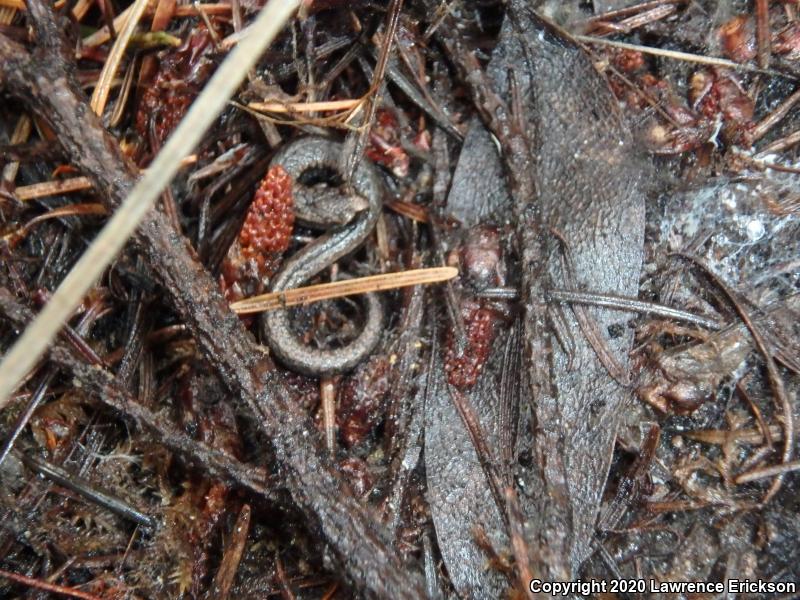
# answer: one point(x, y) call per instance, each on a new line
point(103, 87)
point(719, 437)
point(102, 35)
point(338, 289)
point(299, 107)
point(89, 208)
point(48, 587)
point(770, 471)
point(79, 10)
point(212, 9)
point(53, 188)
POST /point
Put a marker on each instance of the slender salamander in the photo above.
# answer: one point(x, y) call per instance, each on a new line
point(349, 219)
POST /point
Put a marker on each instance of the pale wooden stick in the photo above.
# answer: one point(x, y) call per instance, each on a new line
point(347, 287)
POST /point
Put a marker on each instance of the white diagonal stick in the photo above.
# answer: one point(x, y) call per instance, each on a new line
point(36, 338)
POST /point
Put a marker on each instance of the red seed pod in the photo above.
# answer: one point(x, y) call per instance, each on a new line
point(264, 237)
point(628, 61)
point(267, 228)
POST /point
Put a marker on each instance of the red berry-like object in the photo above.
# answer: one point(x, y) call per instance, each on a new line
point(464, 368)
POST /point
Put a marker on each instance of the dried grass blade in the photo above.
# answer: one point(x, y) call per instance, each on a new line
point(684, 56)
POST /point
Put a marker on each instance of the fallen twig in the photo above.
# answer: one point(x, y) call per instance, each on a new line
point(100, 383)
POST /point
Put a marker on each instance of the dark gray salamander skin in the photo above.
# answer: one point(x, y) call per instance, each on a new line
point(298, 157)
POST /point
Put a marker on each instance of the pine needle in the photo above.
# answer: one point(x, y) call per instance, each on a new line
point(53, 188)
point(338, 289)
point(103, 87)
point(297, 107)
point(684, 56)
